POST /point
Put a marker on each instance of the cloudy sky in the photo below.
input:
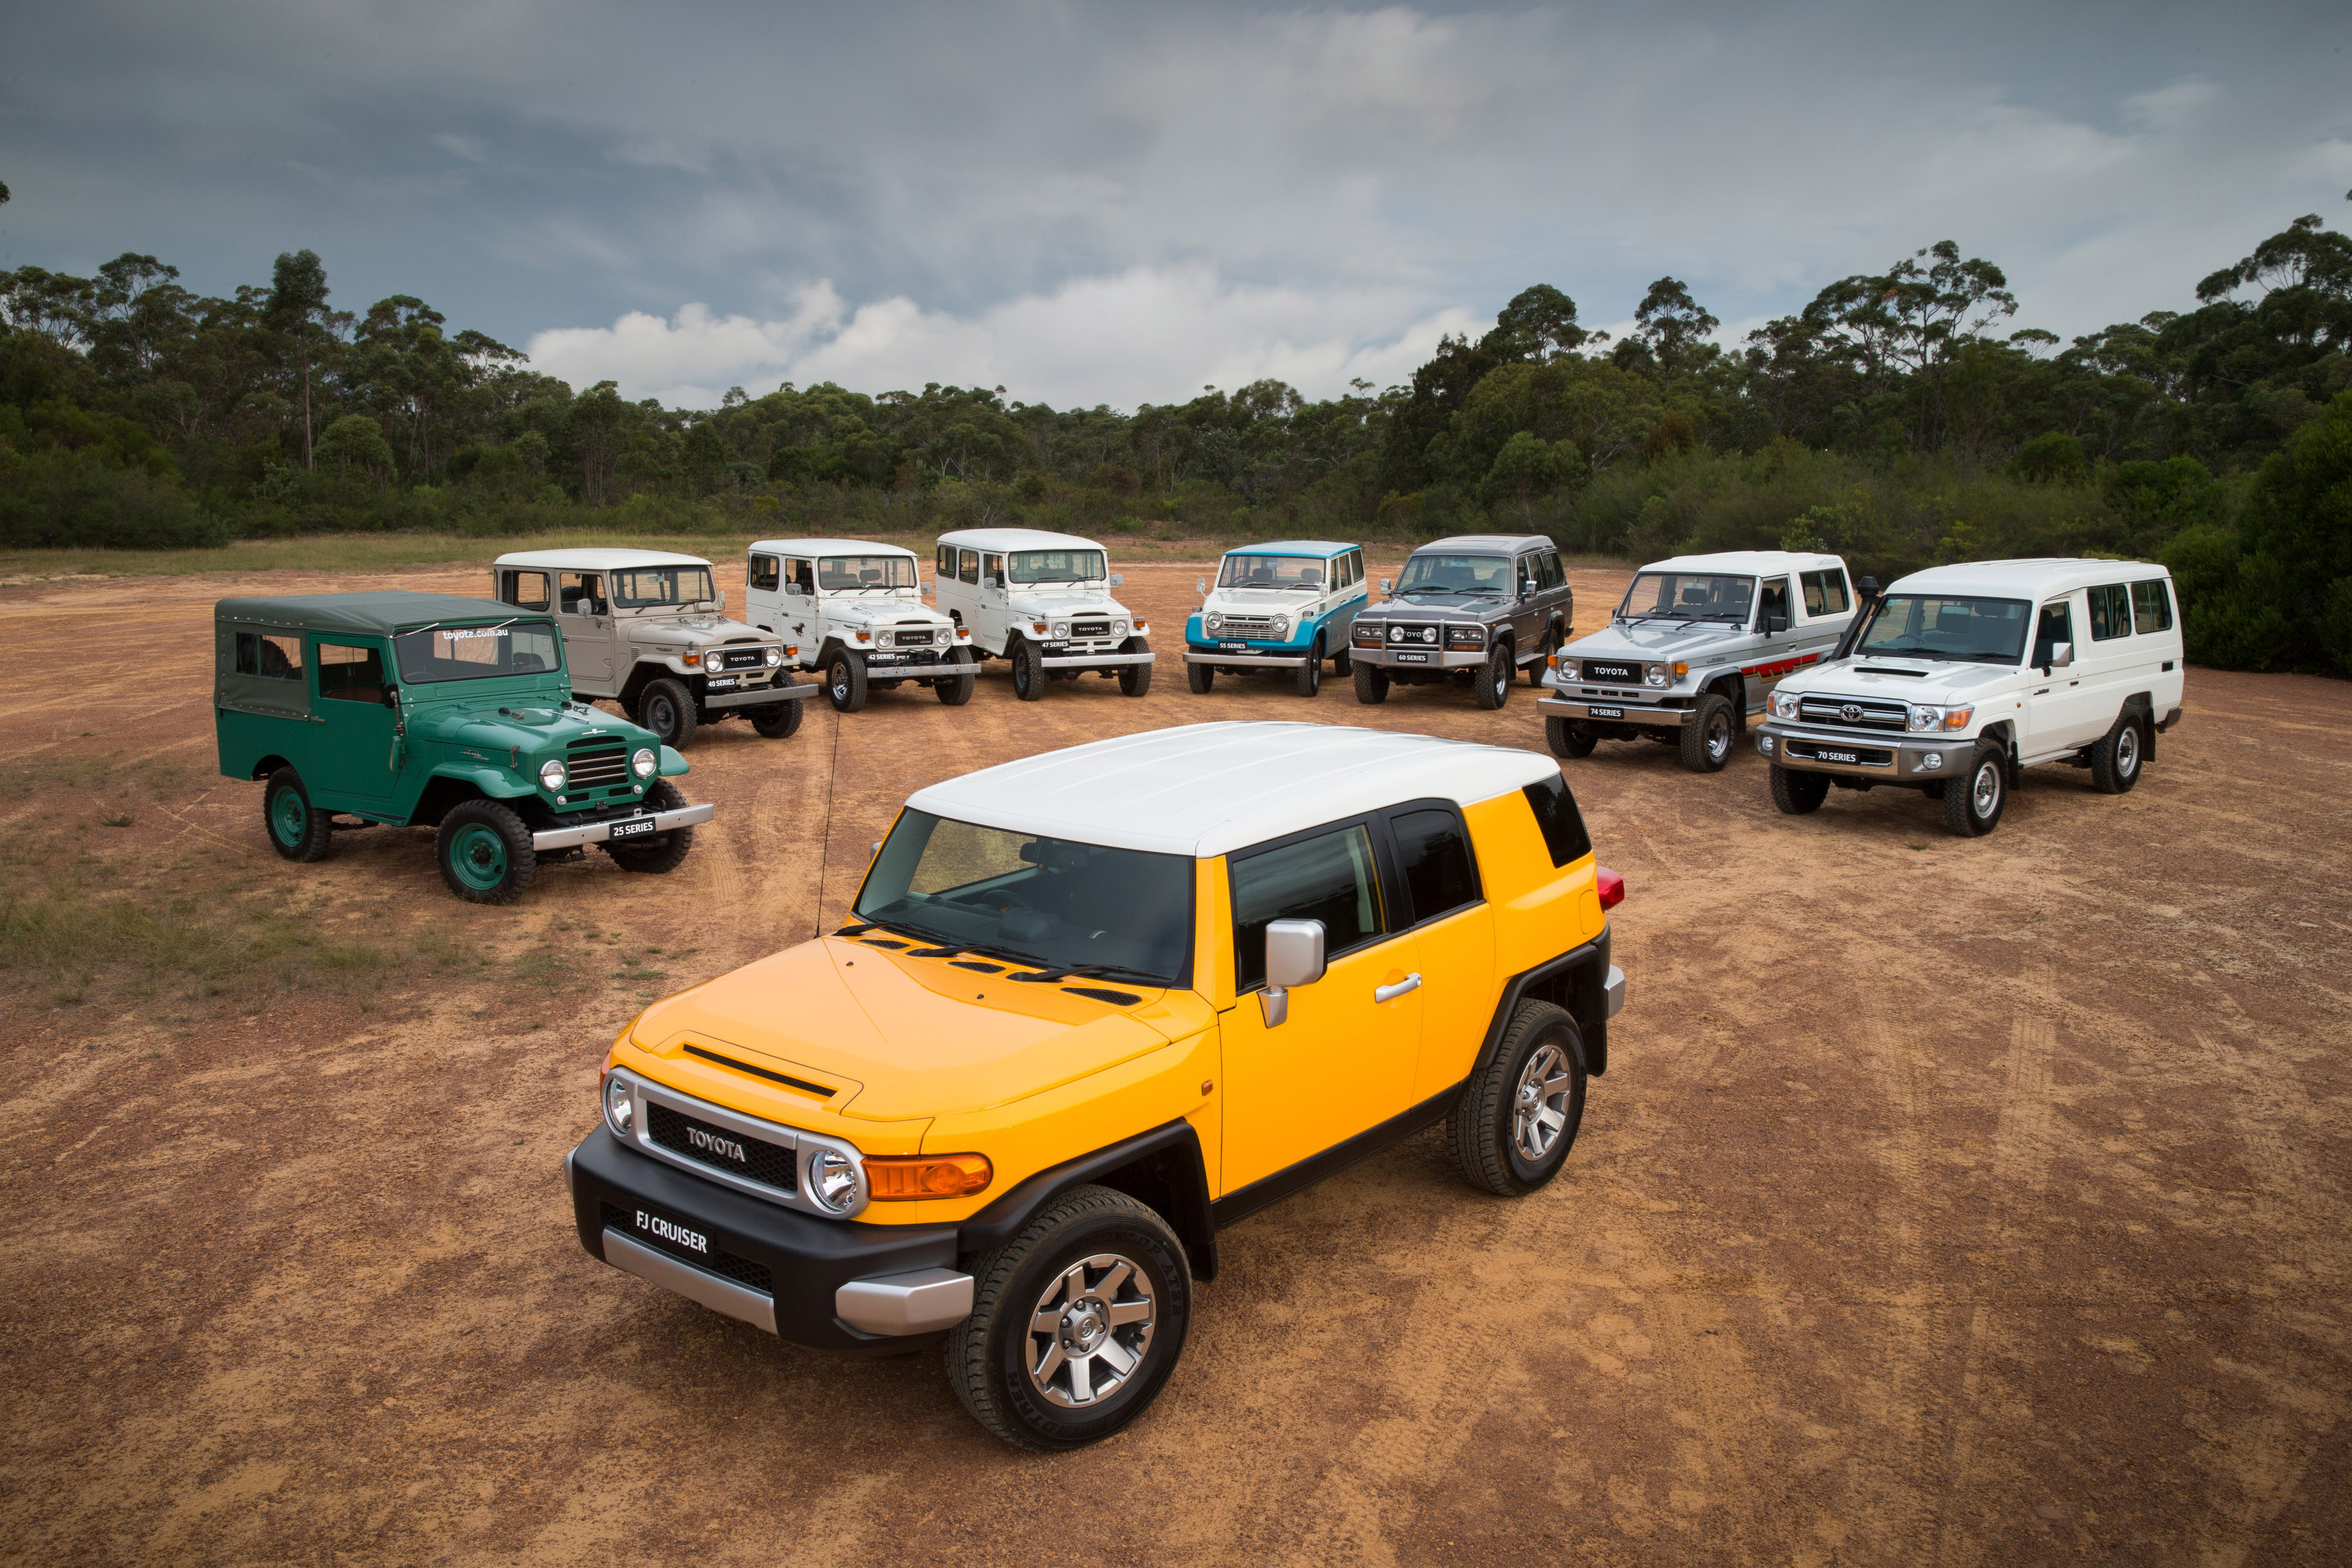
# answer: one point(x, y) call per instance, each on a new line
point(1096, 203)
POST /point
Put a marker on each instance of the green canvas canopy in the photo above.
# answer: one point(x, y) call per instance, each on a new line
point(379, 613)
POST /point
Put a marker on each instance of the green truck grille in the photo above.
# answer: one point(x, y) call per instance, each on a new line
point(597, 761)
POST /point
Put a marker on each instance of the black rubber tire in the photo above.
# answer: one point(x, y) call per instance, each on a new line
point(1028, 671)
point(954, 691)
point(1478, 1129)
point(1708, 740)
point(667, 708)
point(1372, 683)
point(1494, 687)
point(1135, 679)
point(312, 838)
point(1989, 767)
point(1341, 663)
point(844, 680)
point(1200, 677)
point(1796, 792)
point(1566, 740)
point(2116, 758)
point(778, 723)
point(1310, 674)
point(985, 1352)
point(664, 851)
point(521, 860)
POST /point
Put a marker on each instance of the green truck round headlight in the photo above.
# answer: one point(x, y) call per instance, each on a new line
point(552, 775)
point(645, 762)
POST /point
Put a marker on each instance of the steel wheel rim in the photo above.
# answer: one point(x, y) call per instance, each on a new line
point(1984, 791)
point(1089, 1332)
point(1539, 1105)
point(289, 818)
point(661, 715)
point(2127, 751)
point(1718, 739)
point(840, 683)
point(479, 854)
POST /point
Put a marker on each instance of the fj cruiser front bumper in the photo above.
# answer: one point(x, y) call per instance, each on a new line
point(1895, 759)
point(600, 832)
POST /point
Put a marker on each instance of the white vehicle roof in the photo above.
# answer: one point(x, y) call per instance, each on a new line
point(1292, 547)
point(1205, 790)
point(813, 547)
point(1501, 544)
point(1006, 540)
point(1748, 562)
point(595, 560)
point(2032, 579)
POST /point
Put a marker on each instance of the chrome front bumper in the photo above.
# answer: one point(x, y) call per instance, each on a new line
point(760, 696)
point(1898, 759)
point(1384, 658)
point(598, 832)
point(1093, 660)
point(916, 671)
point(1615, 712)
point(1285, 661)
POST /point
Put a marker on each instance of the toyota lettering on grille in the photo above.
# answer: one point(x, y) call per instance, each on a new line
point(725, 1147)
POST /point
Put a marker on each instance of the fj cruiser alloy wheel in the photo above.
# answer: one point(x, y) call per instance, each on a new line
point(664, 851)
point(485, 853)
point(1134, 679)
point(955, 690)
point(1517, 1120)
point(1797, 792)
point(1028, 671)
point(2115, 760)
point(1973, 808)
point(1707, 740)
point(1566, 739)
point(667, 708)
point(1199, 678)
point(1494, 681)
point(778, 721)
point(1076, 1323)
point(844, 680)
point(1372, 683)
point(1310, 674)
point(296, 830)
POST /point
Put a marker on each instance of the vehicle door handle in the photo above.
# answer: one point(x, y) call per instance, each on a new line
point(1390, 992)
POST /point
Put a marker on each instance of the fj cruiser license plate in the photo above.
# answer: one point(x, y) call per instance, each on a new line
point(723, 682)
point(1412, 659)
point(636, 827)
point(1606, 712)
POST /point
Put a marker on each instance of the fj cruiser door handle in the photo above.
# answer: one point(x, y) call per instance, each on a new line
point(1390, 992)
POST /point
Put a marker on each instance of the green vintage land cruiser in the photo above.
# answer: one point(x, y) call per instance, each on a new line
point(428, 710)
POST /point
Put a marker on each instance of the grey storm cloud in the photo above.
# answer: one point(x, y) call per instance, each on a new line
point(1092, 202)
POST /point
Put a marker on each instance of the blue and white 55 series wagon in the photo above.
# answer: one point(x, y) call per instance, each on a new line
point(1285, 606)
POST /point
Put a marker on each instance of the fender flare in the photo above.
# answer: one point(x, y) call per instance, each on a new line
point(1163, 1168)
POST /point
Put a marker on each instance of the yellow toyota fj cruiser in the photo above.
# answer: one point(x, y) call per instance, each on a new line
point(1094, 1006)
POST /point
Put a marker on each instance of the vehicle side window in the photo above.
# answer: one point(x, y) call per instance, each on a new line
point(1554, 806)
point(765, 573)
point(1826, 592)
point(804, 573)
point(2151, 607)
point(993, 566)
point(1439, 873)
point(277, 659)
point(1355, 566)
point(1554, 574)
point(2056, 626)
point(1531, 574)
point(526, 590)
point(1775, 600)
point(584, 594)
point(2111, 615)
point(968, 566)
point(350, 674)
point(1331, 878)
point(943, 560)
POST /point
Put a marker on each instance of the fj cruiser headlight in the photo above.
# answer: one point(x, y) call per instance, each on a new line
point(1060, 630)
point(552, 776)
point(645, 762)
point(620, 1111)
point(832, 1181)
point(1654, 675)
point(775, 658)
point(1784, 705)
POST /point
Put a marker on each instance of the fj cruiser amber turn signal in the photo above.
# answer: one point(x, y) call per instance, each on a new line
point(897, 1177)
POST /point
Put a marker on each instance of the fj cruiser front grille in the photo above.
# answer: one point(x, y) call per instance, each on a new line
point(1417, 635)
point(1090, 628)
point(596, 762)
point(720, 1148)
point(1852, 713)
point(718, 1260)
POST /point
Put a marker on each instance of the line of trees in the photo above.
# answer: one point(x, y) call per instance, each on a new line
point(1898, 417)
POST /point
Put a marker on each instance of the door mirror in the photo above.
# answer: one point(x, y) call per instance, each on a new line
point(1775, 624)
point(1200, 586)
point(1294, 956)
point(2062, 655)
point(794, 591)
point(391, 698)
point(1118, 579)
point(1385, 584)
point(722, 601)
point(988, 581)
point(930, 590)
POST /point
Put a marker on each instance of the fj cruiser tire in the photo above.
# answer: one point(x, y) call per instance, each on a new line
point(1102, 1270)
point(1028, 671)
point(484, 852)
point(1517, 1118)
point(667, 708)
point(1200, 677)
point(1310, 674)
point(1134, 679)
point(1973, 809)
point(1797, 792)
point(844, 680)
point(1494, 688)
point(2116, 758)
point(663, 857)
point(1566, 740)
point(1707, 740)
point(955, 690)
point(1372, 683)
point(778, 722)
point(297, 829)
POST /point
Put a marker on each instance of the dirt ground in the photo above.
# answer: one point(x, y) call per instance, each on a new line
point(1945, 1202)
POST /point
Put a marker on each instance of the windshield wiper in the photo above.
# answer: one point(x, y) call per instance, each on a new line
point(1118, 971)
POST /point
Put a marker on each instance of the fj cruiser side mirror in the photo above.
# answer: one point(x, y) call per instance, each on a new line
point(1775, 624)
point(1294, 956)
point(1118, 579)
point(2062, 655)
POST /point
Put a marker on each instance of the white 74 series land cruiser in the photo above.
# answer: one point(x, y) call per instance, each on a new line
point(1696, 646)
point(1041, 603)
point(855, 611)
point(1962, 675)
point(650, 630)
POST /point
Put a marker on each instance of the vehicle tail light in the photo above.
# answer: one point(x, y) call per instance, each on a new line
point(1610, 886)
point(899, 1178)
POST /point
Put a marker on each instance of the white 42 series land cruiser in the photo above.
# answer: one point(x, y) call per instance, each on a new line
point(1041, 603)
point(1962, 675)
point(855, 612)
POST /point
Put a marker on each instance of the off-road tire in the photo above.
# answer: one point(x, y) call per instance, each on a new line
point(1371, 684)
point(1494, 688)
point(297, 829)
point(778, 723)
point(1708, 740)
point(1200, 677)
point(657, 857)
point(1483, 1130)
point(1135, 679)
point(1028, 671)
point(986, 1355)
point(1310, 674)
point(1966, 809)
point(844, 680)
point(1341, 663)
point(955, 690)
point(667, 708)
point(1796, 792)
point(1566, 740)
point(2118, 755)
point(484, 852)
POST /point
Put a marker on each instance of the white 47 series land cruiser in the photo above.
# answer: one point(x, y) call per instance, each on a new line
point(1041, 603)
point(855, 612)
point(1962, 675)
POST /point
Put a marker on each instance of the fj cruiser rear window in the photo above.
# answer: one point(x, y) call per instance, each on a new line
point(1562, 824)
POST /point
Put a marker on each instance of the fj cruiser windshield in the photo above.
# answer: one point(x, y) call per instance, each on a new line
point(1689, 596)
point(663, 586)
point(1457, 574)
point(838, 574)
point(1120, 914)
point(1058, 566)
point(1271, 571)
point(1917, 626)
point(471, 653)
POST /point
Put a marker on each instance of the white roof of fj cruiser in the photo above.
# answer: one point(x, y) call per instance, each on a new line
point(1012, 538)
point(2025, 579)
point(1748, 562)
point(1205, 790)
point(814, 547)
point(597, 559)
